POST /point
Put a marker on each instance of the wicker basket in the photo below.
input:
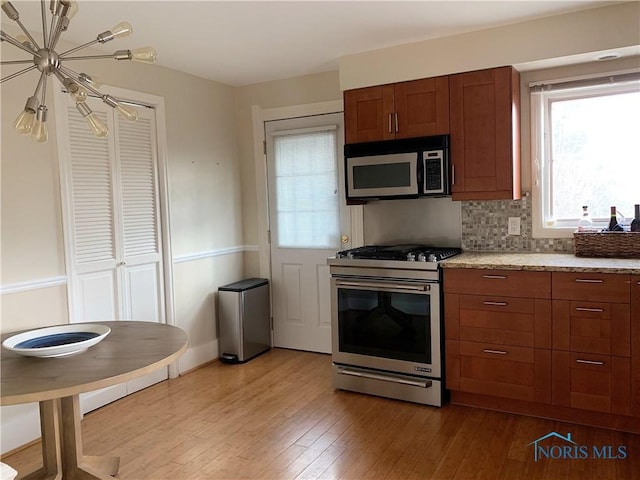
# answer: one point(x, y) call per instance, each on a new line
point(607, 244)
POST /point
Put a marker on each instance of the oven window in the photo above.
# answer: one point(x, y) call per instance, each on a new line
point(385, 324)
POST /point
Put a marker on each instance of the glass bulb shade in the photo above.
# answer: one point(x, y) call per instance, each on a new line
point(79, 95)
point(39, 132)
point(98, 128)
point(73, 9)
point(24, 122)
point(127, 112)
point(144, 54)
point(121, 30)
point(95, 82)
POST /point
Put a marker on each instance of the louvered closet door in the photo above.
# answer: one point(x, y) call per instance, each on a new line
point(115, 248)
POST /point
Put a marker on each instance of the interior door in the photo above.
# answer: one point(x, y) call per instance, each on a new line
point(309, 221)
point(113, 239)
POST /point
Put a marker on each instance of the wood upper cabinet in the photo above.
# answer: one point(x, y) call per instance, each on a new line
point(402, 110)
point(485, 133)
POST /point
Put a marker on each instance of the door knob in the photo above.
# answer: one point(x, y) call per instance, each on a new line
point(345, 238)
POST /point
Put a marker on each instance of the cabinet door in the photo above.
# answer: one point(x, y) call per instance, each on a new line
point(368, 114)
point(591, 382)
point(485, 150)
point(422, 107)
point(635, 345)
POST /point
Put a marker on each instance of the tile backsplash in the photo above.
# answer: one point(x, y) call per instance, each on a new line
point(484, 228)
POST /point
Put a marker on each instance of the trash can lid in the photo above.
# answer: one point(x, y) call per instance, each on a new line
point(243, 285)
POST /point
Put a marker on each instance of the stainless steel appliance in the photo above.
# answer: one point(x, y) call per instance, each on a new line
point(244, 317)
point(405, 168)
point(387, 321)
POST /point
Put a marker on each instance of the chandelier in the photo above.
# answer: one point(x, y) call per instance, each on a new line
point(33, 119)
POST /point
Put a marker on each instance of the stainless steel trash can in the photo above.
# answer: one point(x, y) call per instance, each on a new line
point(244, 316)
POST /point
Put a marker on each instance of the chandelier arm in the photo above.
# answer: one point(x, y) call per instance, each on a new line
point(89, 57)
point(75, 76)
point(15, 62)
point(53, 29)
point(14, 75)
point(39, 86)
point(88, 44)
point(43, 11)
point(8, 38)
point(63, 24)
point(26, 32)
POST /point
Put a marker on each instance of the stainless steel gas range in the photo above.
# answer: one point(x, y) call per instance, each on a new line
point(386, 321)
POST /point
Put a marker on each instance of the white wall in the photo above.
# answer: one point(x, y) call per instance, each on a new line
point(204, 193)
point(532, 42)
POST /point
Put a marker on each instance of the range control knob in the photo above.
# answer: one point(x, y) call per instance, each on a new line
point(422, 257)
point(432, 258)
point(411, 257)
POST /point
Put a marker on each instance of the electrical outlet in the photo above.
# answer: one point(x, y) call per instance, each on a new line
point(514, 226)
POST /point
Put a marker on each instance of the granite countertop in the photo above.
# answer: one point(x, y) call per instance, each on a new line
point(549, 262)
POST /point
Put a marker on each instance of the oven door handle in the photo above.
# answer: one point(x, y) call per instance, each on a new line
point(385, 286)
point(385, 378)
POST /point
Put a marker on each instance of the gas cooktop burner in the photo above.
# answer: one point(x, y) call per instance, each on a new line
point(410, 253)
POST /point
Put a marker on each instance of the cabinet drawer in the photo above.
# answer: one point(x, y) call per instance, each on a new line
point(506, 283)
point(510, 372)
point(592, 287)
point(513, 321)
point(591, 382)
point(591, 327)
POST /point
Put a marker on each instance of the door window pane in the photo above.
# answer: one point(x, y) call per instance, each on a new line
point(307, 208)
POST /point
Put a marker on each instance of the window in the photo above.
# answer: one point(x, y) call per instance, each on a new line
point(307, 188)
point(586, 151)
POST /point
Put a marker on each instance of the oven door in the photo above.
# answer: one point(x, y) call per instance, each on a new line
point(387, 324)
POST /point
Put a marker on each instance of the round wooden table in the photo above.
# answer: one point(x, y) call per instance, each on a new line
point(131, 350)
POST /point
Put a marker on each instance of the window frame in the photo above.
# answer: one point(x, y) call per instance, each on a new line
point(542, 95)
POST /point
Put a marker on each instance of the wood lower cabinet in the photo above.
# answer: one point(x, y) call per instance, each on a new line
point(635, 345)
point(410, 109)
point(560, 345)
point(498, 334)
point(485, 133)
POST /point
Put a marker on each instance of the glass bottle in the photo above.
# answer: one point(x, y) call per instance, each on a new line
point(585, 224)
point(614, 226)
point(635, 223)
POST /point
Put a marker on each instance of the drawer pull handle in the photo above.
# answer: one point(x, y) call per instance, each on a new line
point(496, 304)
point(496, 352)
point(494, 277)
point(589, 362)
point(589, 280)
point(585, 309)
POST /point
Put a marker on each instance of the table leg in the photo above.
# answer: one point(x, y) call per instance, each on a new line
point(74, 463)
point(51, 446)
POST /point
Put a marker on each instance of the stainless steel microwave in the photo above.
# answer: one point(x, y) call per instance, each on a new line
point(406, 168)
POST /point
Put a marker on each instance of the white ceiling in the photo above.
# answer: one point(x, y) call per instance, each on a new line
point(242, 42)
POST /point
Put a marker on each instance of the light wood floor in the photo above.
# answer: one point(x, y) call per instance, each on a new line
point(278, 417)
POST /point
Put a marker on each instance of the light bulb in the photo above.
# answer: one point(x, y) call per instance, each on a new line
point(121, 30)
point(127, 112)
point(144, 54)
point(95, 82)
point(73, 9)
point(39, 131)
point(98, 128)
point(80, 95)
point(24, 122)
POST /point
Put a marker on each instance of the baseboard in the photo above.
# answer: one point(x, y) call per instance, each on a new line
point(197, 356)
